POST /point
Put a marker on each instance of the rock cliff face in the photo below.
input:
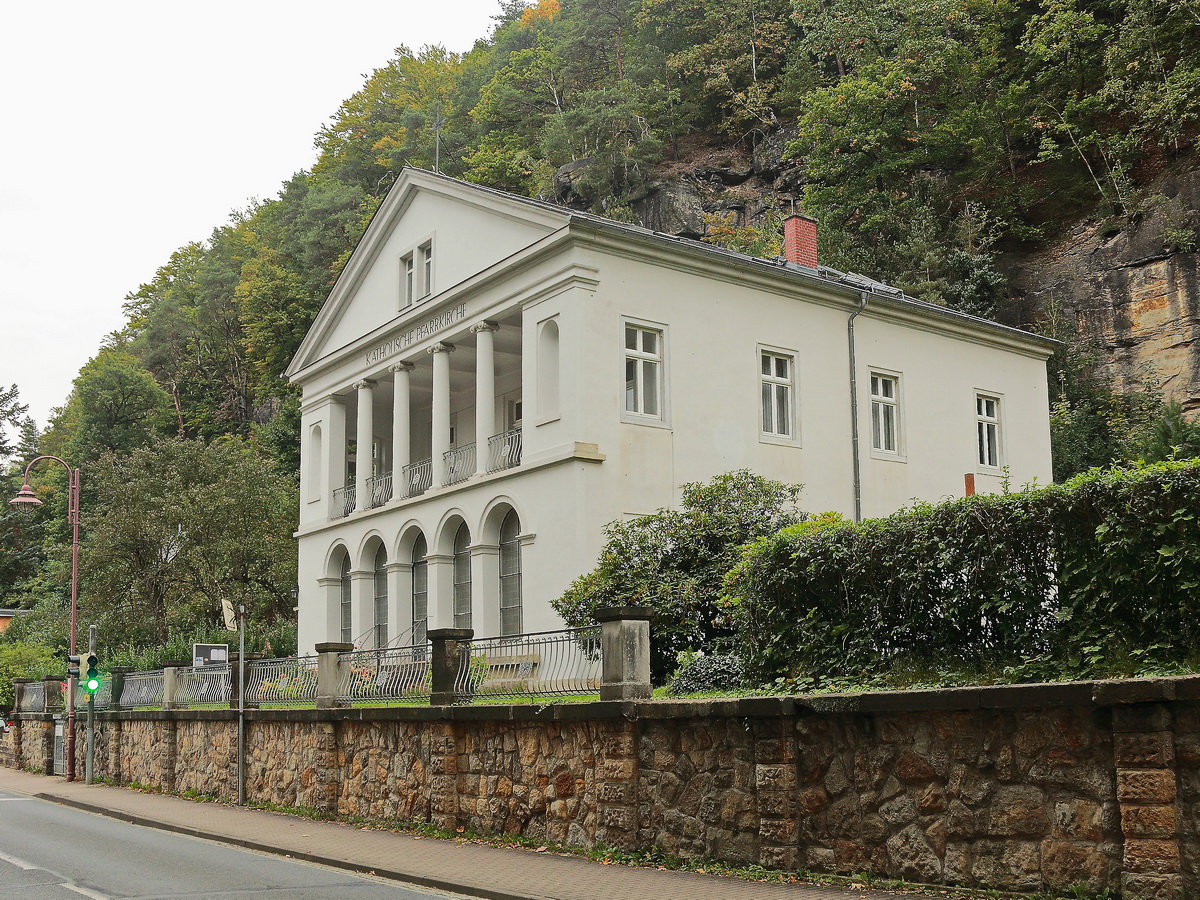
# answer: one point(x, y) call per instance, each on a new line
point(1132, 290)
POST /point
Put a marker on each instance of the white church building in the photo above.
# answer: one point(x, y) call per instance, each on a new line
point(493, 379)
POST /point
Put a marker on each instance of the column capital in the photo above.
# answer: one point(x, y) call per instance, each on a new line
point(484, 326)
point(401, 367)
point(365, 383)
point(441, 347)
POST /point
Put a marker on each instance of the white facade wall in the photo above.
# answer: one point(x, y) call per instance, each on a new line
point(557, 292)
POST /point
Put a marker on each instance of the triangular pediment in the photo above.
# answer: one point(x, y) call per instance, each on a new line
point(466, 228)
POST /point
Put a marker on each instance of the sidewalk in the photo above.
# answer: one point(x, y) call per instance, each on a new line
point(472, 869)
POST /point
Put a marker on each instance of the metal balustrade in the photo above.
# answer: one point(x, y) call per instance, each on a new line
point(103, 698)
point(203, 685)
point(343, 501)
point(281, 681)
point(417, 478)
point(143, 689)
point(460, 463)
point(379, 490)
point(33, 697)
point(551, 662)
point(397, 673)
point(504, 450)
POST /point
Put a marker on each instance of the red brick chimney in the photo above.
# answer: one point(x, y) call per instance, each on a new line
point(800, 240)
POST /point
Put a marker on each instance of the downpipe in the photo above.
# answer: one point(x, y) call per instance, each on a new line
point(862, 304)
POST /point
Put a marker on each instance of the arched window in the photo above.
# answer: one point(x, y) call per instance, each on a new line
point(420, 590)
point(548, 371)
point(510, 574)
point(347, 637)
point(462, 577)
point(381, 598)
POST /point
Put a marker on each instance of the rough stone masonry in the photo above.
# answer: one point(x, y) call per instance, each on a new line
point(1094, 784)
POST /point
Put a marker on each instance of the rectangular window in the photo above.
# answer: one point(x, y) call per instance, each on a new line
point(427, 269)
point(408, 282)
point(885, 413)
point(987, 425)
point(643, 371)
point(776, 370)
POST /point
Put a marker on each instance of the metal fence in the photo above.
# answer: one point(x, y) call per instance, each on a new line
point(559, 663)
point(285, 682)
point(397, 673)
point(379, 489)
point(143, 689)
point(33, 696)
point(417, 478)
point(343, 501)
point(504, 450)
point(103, 695)
point(203, 685)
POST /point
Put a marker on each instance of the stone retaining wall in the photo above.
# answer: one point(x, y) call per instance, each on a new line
point(1094, 784)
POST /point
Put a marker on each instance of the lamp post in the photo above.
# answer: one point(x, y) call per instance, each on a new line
point(25, 501)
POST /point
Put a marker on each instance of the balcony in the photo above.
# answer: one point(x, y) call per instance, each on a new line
point(460, 464)
point(417, 478)
point(504, 450)
point(343, 501)
point(379, 490)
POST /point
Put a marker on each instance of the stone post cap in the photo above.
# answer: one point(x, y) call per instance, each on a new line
point(450, 634)
point(628, 613)
point(178, 664)
point(120, 670)
point(56, 678)
point(333, 647)
point(25, 680)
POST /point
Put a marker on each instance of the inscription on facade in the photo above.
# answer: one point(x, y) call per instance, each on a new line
point(418, 333)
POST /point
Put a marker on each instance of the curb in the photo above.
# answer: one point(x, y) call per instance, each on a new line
point(274, 850)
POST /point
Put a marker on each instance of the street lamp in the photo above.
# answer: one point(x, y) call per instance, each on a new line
point(25, 501)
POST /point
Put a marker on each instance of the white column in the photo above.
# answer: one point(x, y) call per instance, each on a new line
point(485, 391)
point(441, 410)
point(401, 419)
point(366, 437)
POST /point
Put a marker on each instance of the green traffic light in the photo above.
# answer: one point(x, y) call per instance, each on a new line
point(92, 683)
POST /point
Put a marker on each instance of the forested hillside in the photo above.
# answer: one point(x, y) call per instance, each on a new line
point(938, 144)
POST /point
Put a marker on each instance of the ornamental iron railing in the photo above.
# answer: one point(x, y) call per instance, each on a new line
point(460, 463)
point(202, 685)
point(379, 490)
point(504, 450)
point(417, 478)
point(33, 697)
point(551, 662)
point(284, 682)
point(143, 689)
point(343, 501)
point(103, 696)
point(396, 673)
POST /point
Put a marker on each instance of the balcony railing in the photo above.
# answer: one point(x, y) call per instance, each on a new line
point(504, 450)
point(417, 478)
point(379, 489)
point(343, 501)
point(460, 463)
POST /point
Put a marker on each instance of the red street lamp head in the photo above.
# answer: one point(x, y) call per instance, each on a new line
point(25, 500)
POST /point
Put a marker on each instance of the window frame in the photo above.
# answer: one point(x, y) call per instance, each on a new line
point(346, 602)
point(428, 260)
point(791, 439)
point(634, 417)
point(408, 280)
point(419, 565)
point(996, 422)
point(896, 403)
point(510, 551)
point(379, 611)
point(462, 589)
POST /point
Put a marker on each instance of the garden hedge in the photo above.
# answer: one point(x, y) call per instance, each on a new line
point(1103, 565)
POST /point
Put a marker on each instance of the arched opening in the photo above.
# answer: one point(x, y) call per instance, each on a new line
point(315, 462)
point(462, 577)
point(548, 375)
point(381, 597)
point(510, 574)
point(420, 590)
point(345, 601)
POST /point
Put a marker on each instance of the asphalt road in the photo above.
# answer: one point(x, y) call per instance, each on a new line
point(50, 852)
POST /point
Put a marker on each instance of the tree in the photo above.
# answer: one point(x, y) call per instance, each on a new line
point(674, 561)
point(22, 660)
point(181, 529)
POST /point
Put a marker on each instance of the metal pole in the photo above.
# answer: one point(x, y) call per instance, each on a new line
point(241, 737)
point(73, 516)
point(91, 717)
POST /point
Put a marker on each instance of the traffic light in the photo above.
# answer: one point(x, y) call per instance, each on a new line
point(91, 681)
point(72, 666)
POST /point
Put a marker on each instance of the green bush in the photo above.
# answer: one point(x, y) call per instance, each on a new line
point(1102, 568)
point(719, 672)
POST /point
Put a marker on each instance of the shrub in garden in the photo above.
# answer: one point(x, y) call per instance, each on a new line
point(675, 559)
point(1103, 567)
point(719, 672)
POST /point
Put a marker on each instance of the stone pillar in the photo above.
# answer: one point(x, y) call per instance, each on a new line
point(46, 763)
point(115, 737)
point(441, 410)
point(617, 786)
point(449, 644)
point(485, 391)
point(329, 672)
point(365, 437)
point(775, 788)
point(53, 693)
point(625, 648)
point(401, 425)
point(235, 683)
point(171, 692)
point(118, 673)
point(1144, 754)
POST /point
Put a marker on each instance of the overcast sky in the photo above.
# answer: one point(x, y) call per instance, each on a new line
point(133, 127)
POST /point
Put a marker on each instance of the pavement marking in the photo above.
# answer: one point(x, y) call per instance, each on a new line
point(13, 798)
point(94, 895)
point(19, 863)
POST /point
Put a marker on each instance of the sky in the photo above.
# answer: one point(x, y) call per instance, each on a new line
point(133, 127)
